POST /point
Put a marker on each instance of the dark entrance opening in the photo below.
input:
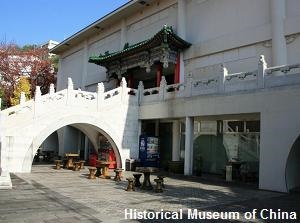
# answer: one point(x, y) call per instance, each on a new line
point(292, 174)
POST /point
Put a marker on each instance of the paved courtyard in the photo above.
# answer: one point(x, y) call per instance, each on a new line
point(48, 195)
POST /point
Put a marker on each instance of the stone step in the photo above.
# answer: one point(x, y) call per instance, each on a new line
point(5, 181)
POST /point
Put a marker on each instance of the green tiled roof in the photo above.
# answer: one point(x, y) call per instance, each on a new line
point(164, 36)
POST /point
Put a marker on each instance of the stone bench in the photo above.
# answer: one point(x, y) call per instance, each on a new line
point(162, 179)
point(137, 177)
point(118, 175)
point(81, 164)
point(76, 166)
point(92, 172)
point(58, 164)
point(130, 186)
point(158, 188)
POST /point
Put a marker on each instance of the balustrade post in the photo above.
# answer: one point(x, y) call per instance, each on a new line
point(37, 94)
point(262, 66)
point(140, 91)
point(188, 85)
point(100, 95)
point(51, 90)
point(4, 149)
point(22, 99)
point(37, 100)
point(124, 90)
point(70, 90)
point(223, 74)
point(162, 88)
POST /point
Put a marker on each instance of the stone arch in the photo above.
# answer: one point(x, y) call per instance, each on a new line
point(292, 174)
point(80, 119)
point(83, 130)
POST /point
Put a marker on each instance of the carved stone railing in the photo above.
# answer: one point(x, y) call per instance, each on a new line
point(219, 83)
point(21, 108)
point(241, 81)
point(282, 75)
point(174, 87)
point(70, 97)
point(112, 93)
point(285, 69)
point(204, 86)
point(151, 91)
point(163, 92)
point(223, 82)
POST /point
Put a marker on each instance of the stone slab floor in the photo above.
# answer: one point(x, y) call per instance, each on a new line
point(48, 195)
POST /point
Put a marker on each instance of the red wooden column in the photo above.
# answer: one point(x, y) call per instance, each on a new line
point(177, 69)
point(130, 81)
point(158, 74)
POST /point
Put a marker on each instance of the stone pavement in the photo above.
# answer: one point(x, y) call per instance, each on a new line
point(47, 195)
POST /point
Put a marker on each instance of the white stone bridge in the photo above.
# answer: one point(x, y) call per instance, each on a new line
point(271, 94)
point(24, 127)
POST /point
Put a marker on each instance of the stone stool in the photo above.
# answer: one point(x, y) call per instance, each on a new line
point(137, 177)
point(99, 171)
point(158, 188)
point(130, 186)
point(76, 166)
point(118, 172)
point(92, 172)
point(162, 178)
point(81, 164)
point(57, 164)
point(121, 173)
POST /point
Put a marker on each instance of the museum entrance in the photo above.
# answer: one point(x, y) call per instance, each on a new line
point(219, 144)
point(151, 78)
point(146, 61)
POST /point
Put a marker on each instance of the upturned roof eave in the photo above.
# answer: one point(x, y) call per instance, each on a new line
point(154, 41)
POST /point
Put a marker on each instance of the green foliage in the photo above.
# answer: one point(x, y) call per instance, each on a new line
point(2, 98)
point(31, 60)
point(28, 47)
point(54, 61)
point(22, 86)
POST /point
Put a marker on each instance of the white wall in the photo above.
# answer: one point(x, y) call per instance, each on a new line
point(220, 30)
point(147, 27)
point(140, 26)
point(236, 60)
point(292, 8)
point(96, 73)
point(293, 49)
point(71, 66)
point(212, 19)
point(215, 23)
point(233, 32)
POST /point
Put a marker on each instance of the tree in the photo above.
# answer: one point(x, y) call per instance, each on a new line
point(42, 70)
point(3, 103)
point(31, 62)
point(22, 86)
point(54, 61)
point(28, 47)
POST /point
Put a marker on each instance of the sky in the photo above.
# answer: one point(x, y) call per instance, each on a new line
point(37, 21)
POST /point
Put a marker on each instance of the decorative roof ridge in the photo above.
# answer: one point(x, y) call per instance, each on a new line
point(166, 30)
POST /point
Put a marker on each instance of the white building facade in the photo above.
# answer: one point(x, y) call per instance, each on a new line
point(225, 90)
